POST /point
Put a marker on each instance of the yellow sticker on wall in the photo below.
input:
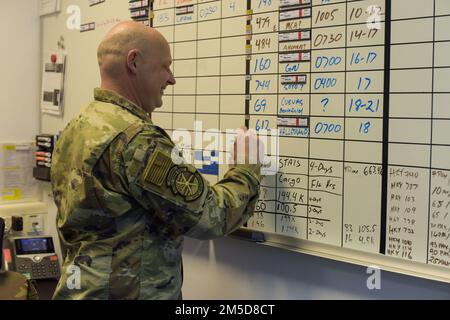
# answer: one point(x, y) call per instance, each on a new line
point(11, 194)
point(9, 147)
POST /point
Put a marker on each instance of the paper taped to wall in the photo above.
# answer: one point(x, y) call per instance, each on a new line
point(16, 173)
point(49, 6)
point(52, 99)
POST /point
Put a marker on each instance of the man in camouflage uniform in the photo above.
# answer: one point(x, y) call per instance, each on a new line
point(123, 204)
point(14, 286)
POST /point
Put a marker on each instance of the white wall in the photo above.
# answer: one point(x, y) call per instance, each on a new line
point(235, 269)
point(19, 70)
point(20, 85)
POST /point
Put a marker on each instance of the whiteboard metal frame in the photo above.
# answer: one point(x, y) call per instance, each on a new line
point(347, 255)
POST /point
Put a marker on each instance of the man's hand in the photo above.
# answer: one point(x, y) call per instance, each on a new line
point(248, 148)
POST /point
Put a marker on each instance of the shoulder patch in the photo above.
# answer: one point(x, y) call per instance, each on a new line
point(157, 168)
point(185, 183)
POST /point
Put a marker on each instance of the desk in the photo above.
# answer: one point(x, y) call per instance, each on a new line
point(45, 288)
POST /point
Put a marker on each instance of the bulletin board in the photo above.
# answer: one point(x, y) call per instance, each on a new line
point(358, 92)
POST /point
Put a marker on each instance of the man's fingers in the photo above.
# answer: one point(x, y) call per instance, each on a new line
point(248, 147)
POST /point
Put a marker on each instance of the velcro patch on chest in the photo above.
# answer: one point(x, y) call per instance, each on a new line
point(157, 168)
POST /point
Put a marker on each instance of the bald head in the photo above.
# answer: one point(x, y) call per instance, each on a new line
point(135, 62)
point(122, 38)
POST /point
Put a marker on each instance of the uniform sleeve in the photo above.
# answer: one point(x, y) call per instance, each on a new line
point(180, 198)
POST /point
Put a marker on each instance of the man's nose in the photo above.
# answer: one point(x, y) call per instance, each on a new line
point(172, 80)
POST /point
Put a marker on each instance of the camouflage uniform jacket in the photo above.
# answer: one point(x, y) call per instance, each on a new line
point(124, 205)
point(15, 286)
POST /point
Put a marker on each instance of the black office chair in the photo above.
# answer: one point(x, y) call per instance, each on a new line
point(13, 285)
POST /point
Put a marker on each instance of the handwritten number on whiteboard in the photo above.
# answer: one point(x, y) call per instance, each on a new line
point(364, 82)
point(264, 3)
point(364, 127)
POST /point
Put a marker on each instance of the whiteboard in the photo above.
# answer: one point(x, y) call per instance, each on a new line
point(359, 92)
point(370, 171)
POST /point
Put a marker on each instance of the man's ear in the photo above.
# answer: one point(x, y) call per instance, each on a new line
point(132, 60)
